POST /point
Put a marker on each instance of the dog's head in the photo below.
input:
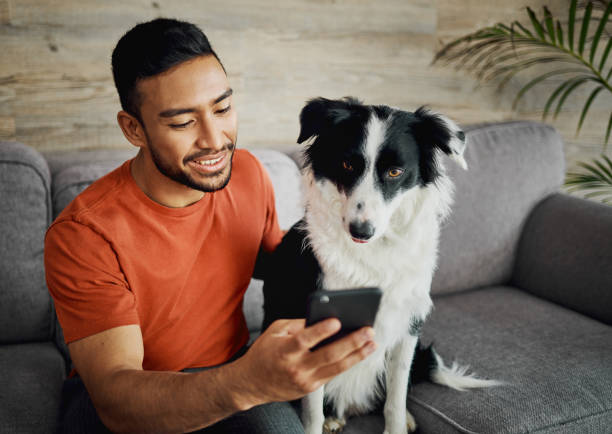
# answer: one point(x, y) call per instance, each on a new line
point(372, 155)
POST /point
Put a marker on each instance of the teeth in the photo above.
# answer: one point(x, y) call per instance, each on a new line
point(209, 162)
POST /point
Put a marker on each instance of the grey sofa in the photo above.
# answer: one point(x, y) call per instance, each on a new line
point(523, 291)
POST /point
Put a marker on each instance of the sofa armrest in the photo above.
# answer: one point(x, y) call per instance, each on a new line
point(565, 255)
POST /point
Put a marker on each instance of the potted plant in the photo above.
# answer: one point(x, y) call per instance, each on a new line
point(578, 52)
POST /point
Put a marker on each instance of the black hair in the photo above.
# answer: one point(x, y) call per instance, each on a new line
point(151, 48)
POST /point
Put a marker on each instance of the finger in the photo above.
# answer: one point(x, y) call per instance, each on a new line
point(310, 336)
point(327, 372)
point(287, 326)
point(340, 349)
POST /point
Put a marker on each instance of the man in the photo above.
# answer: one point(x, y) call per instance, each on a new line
point(148, 266)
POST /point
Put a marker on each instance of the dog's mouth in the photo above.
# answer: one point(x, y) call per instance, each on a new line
point(359, 240)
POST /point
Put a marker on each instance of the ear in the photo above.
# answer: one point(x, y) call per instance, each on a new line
point(132, 129)
point(442, 133)
point(320, 113)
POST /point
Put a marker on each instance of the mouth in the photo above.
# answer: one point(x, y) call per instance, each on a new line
point(359, 240)
point(210, 164)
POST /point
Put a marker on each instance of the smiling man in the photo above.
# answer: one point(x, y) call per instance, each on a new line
point(148, 266)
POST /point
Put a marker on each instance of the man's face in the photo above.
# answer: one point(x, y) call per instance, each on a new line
point(190, 123)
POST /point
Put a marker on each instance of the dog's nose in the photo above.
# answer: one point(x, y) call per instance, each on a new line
point(361, 230)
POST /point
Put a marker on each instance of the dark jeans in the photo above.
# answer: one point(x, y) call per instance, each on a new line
point(78, 415)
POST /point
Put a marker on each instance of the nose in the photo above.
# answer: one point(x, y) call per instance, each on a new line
point(210, 135)
point(361, 230)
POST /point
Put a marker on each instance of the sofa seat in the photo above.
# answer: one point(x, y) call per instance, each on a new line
point(557, 364)
point(37, 371)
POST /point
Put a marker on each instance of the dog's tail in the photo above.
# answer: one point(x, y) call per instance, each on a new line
point(429, 366)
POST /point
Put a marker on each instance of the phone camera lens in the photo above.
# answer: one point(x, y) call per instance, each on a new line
point(324, 299)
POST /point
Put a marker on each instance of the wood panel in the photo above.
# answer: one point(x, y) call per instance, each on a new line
point(5, 12)
point(57, 92)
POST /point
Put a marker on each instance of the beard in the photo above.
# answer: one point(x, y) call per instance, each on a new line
point(207, 183)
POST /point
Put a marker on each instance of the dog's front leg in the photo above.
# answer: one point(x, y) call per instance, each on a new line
point(312, 412)
point(399, 360)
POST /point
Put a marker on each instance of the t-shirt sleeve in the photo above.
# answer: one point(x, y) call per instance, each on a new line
point(84, 278)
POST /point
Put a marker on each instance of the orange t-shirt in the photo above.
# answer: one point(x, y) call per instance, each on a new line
point(114, 257)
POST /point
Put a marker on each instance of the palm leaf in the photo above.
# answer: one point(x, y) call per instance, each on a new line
point(560, 33)
point(596, 180)
point(608, 134)
point(550, 26)
point(450, 56)
point(570, 24)
point(471, 51)
point(539, 79)
point(587, 105)
point(575, 83)
point(523, 28)
point(600, 28)
point(553, 96)
point(607, 171)
point(523, 65)
point(585, 27)
point(536, 24)
point(604, 56)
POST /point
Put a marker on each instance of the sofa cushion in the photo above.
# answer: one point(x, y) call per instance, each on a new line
point(556, 363)
point(31, 384)
point(512, 166)
point(285, 177)
point(26, 312)
point(579, 277)
point(61, 160)
point(70, 182)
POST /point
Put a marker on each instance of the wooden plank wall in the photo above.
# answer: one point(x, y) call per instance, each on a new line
point(57, 93)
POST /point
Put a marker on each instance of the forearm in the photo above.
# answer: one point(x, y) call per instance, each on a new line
point(147, 401)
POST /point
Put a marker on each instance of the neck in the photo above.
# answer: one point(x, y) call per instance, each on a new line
point(159, 187)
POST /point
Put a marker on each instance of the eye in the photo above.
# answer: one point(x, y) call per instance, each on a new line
point(395, 172)
point(180, 125)
point(347, 166)
point(224, 110)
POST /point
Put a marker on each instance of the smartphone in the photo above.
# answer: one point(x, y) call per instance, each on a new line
point(354, 307)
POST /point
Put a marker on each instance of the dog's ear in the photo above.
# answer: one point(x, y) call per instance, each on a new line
point(320, 113)
point(440, 132)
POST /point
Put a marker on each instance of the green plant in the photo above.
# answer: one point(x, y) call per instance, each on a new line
point(576, 51)
point(597, 179)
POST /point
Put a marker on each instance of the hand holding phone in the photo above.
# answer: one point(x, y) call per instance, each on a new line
point(355, 308)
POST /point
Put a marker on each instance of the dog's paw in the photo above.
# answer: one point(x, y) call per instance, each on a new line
point(411, 426)
point(410, 422)
point(333, 425)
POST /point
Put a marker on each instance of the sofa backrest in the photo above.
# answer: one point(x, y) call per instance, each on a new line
point(26, 310)
point(512, 167)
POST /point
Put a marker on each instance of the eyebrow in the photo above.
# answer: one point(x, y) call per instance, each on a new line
point(179, 111)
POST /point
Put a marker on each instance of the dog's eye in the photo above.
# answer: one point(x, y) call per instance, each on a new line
point(394, 173)
point(347, 166)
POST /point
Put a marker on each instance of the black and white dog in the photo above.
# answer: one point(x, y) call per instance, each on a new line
point(376, 193)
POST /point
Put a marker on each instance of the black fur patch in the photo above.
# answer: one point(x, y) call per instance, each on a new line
point(293, 274)
point(415, 326)
point(423, 364)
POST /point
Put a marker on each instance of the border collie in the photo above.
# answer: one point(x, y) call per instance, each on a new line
point(376, 193)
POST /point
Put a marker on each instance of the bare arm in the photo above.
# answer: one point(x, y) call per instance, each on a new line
point(278, 367)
